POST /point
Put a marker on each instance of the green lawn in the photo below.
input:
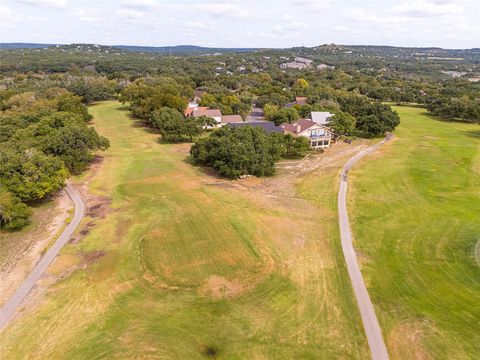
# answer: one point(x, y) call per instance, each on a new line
point(179, 270)
point(415, 211)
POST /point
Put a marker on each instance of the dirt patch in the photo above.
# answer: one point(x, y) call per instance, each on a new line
point(220, 287)
point(91, 257)
point(82, 233)
point(289, 173)
point(405, 342)
point(361, 257)
point(98, 206)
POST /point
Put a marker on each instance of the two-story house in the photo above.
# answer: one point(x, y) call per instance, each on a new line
point(318, 135)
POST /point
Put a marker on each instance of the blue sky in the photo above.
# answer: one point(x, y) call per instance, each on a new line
point(247, 23)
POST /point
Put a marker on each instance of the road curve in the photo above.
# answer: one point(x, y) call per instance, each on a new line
point(373, 332)
point(11, 306)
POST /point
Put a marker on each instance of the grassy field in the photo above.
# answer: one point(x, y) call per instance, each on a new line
point(415, 210)
point(178, 270)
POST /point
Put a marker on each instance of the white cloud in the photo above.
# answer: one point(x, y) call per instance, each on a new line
point(229, 10)
point(37, 18)
point(198, 25)
point(312, 5)
point(46, 3)
point(85, 15)
point(266, 23)
point(129, 14)
point(5, 12)
point(140, 4)
point(428, 8)
point(290, 27)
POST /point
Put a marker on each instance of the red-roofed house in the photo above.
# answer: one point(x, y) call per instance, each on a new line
point(228, 119)
point(318, 135)
point(301, 100)
point(216, 114)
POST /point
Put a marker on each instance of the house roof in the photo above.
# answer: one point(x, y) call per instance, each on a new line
point(188, 111)
point(206, 112)
point(301, 100)
point(231, 119)
point(268, 126)
point(293, 128)
point(321, 117)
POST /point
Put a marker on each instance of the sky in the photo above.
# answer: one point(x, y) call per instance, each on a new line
point(243, 23)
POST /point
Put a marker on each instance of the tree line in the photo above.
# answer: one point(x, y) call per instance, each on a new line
point(43, 139)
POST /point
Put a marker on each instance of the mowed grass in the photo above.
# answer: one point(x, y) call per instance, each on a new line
point(179, 270)
point(415, 210)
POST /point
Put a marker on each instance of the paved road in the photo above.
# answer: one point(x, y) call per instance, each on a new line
point(11, 306)
point(255, 115)
point(373, 332)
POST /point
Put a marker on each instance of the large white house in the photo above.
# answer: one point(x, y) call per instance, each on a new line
point(318, 135)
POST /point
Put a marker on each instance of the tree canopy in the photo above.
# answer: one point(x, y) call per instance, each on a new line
point(247, 150)
point(42, 140)
point(175, 128)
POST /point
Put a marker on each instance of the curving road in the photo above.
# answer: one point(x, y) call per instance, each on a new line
point(11, 306)
point(373, 332)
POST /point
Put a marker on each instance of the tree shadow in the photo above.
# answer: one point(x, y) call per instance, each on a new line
point(473, 134)
point(413, 105)
point(204, 170)
point(139, 123)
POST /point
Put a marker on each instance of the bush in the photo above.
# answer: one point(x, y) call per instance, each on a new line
point(13, 213)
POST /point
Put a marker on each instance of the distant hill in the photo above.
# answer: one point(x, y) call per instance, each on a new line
point(89, 48)
point(322, 50)
point(182, 49)
point(178, 49)
point(24, 46)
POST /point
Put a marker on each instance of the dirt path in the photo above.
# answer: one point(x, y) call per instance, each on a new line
point(11, 306)
point(373, 332)
point(289, 173)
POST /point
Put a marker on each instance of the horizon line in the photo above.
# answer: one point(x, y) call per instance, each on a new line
point(237, 47)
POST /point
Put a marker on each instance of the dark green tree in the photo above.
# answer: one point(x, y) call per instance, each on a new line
point(13, 213)
point(234, 152)
point(342, 123)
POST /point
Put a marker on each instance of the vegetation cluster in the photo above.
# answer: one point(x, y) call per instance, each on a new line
point(43, 139)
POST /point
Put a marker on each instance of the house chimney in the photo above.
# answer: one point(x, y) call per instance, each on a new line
point(297, 128)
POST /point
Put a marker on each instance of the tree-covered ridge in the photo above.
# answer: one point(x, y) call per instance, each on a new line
point(400, 75)
point(42, 140)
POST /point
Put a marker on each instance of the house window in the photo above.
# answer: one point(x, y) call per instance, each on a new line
point(314, 144)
